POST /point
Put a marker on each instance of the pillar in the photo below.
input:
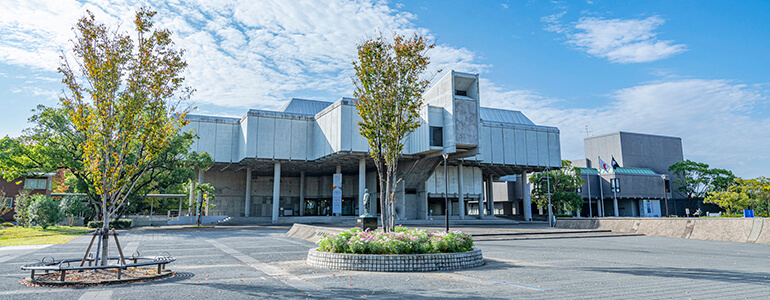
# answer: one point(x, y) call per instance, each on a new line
point(191, 200)
point(527, 201)
point(481, 199)
point(460, 197)
point(276, 191)
point(247, 208)
point(339, 171)
point(491, 196)
point(361, 185)
point(302, 193)
point(615, 205)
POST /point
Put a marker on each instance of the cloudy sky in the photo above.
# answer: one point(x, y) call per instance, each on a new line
point(693, 69)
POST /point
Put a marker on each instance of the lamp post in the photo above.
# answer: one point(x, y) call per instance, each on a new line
point(548, 186)
point(446, 192)
point(665, 195)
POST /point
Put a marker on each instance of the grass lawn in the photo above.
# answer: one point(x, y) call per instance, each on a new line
point(15, 236)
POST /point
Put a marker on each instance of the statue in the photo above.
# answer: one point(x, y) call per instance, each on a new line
point(366, 203)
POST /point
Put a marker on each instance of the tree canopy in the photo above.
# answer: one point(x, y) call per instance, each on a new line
point(564, 183)
point(389, 87)
point(744, 194)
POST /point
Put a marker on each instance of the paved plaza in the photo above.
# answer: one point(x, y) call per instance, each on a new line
point(261, 262)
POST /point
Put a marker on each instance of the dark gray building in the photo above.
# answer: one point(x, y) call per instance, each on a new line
point(636, 187)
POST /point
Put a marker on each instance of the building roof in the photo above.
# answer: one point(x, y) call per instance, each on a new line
point(589, 171)
point(304, 106)
point(504, 116)
point(638, 171)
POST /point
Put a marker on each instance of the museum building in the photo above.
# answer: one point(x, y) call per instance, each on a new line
point(285, 165)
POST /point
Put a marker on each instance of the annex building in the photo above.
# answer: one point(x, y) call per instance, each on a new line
point(285, 165)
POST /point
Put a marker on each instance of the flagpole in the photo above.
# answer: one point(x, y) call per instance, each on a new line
point(590, 210)
point(601, 192)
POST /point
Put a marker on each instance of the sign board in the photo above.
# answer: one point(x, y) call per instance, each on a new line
point(748, 213)
point(649, 208)
point(337, 200)
point(336, 180)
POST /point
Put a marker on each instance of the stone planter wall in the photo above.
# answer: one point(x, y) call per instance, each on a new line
point(395, 263)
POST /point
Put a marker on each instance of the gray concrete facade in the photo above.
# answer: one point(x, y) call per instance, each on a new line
point(281, 163)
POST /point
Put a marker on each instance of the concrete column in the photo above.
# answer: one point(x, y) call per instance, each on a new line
point(302, 193)
point(491, 197)
point(191, 200)
point(526, 197)
point(460, 197)
point(361, 184)
point(247, 209)
point(481, 199)
point(339, 171)
point(425, 200)
point(276, 191)
point(200, 195)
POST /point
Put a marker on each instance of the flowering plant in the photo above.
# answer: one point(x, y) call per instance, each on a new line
point(400, 241)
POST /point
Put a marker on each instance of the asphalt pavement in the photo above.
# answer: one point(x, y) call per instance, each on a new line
point(247, 262)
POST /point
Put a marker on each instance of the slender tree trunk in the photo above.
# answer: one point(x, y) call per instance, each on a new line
point(105, 229)
point(383, 206)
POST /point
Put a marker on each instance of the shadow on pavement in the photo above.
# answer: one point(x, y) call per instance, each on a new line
point(691, 273)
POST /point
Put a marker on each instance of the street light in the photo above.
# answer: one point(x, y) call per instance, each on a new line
point(548, 184)
point(446, 192)
point(665, 195)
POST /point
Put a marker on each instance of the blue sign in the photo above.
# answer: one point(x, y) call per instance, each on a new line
point(748, 213)
point(337, 201)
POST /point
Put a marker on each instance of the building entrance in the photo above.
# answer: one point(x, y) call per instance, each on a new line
point(323, 207)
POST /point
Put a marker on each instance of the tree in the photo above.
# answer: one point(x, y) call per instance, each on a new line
point(127, 108)
point(5, 207)
point(21, 208)
point(388, 95)
point(744, 194)
point(564, 183)
point(696, 179)
point(45, 211)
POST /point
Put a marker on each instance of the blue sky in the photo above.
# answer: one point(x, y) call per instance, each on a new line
point(693, 69)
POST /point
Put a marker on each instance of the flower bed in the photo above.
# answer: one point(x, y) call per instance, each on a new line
point(402, 241)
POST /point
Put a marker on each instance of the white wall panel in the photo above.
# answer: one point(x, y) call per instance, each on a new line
point(265, 137)
point(242, 139)
point(224, 142)
point(359, 142)
point(298, 148)
point(208, 136)
point(509, 140)
point(555, 149)
point(532, 154)
point(496, 141)
point(346, 131)
point(486, 146)
point(251, 137)
point(282, 144)
point(521, 147)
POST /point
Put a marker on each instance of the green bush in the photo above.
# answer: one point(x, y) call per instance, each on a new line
point(401, 241)
point(117, 224)
point(21, 208)
point(45, 211)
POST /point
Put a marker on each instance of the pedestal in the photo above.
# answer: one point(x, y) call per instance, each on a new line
point(366, 222)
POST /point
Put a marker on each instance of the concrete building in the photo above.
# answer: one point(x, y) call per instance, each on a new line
point(284, 165)
point(643, 160)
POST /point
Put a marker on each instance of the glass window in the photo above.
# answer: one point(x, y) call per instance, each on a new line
point(35, 184)
point(7, 202)
point(436, 136)
point(461, 93)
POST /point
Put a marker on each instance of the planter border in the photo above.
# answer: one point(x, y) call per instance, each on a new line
point(395, 263)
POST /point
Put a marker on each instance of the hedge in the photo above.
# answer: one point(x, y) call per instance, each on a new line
point(117, 224)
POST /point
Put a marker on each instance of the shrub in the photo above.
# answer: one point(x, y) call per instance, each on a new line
point(45, 211)
point(21, 206)
point(401, 241)
point(117, 224)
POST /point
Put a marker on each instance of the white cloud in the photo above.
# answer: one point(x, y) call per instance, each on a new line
point(250, 54)
point(623, 40)
point(713, 117)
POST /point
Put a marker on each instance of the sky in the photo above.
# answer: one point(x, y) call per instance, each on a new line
point(692, 69)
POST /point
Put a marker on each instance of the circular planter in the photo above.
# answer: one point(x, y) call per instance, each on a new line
point(395, 263)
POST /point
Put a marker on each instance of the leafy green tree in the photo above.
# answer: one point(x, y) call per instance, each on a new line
point(695, 180)
point(45, 211)
point(128, 106)
point(744, 194)
point(389, 87)
point(564, 183)
point(4, 207)
point(73, 206)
